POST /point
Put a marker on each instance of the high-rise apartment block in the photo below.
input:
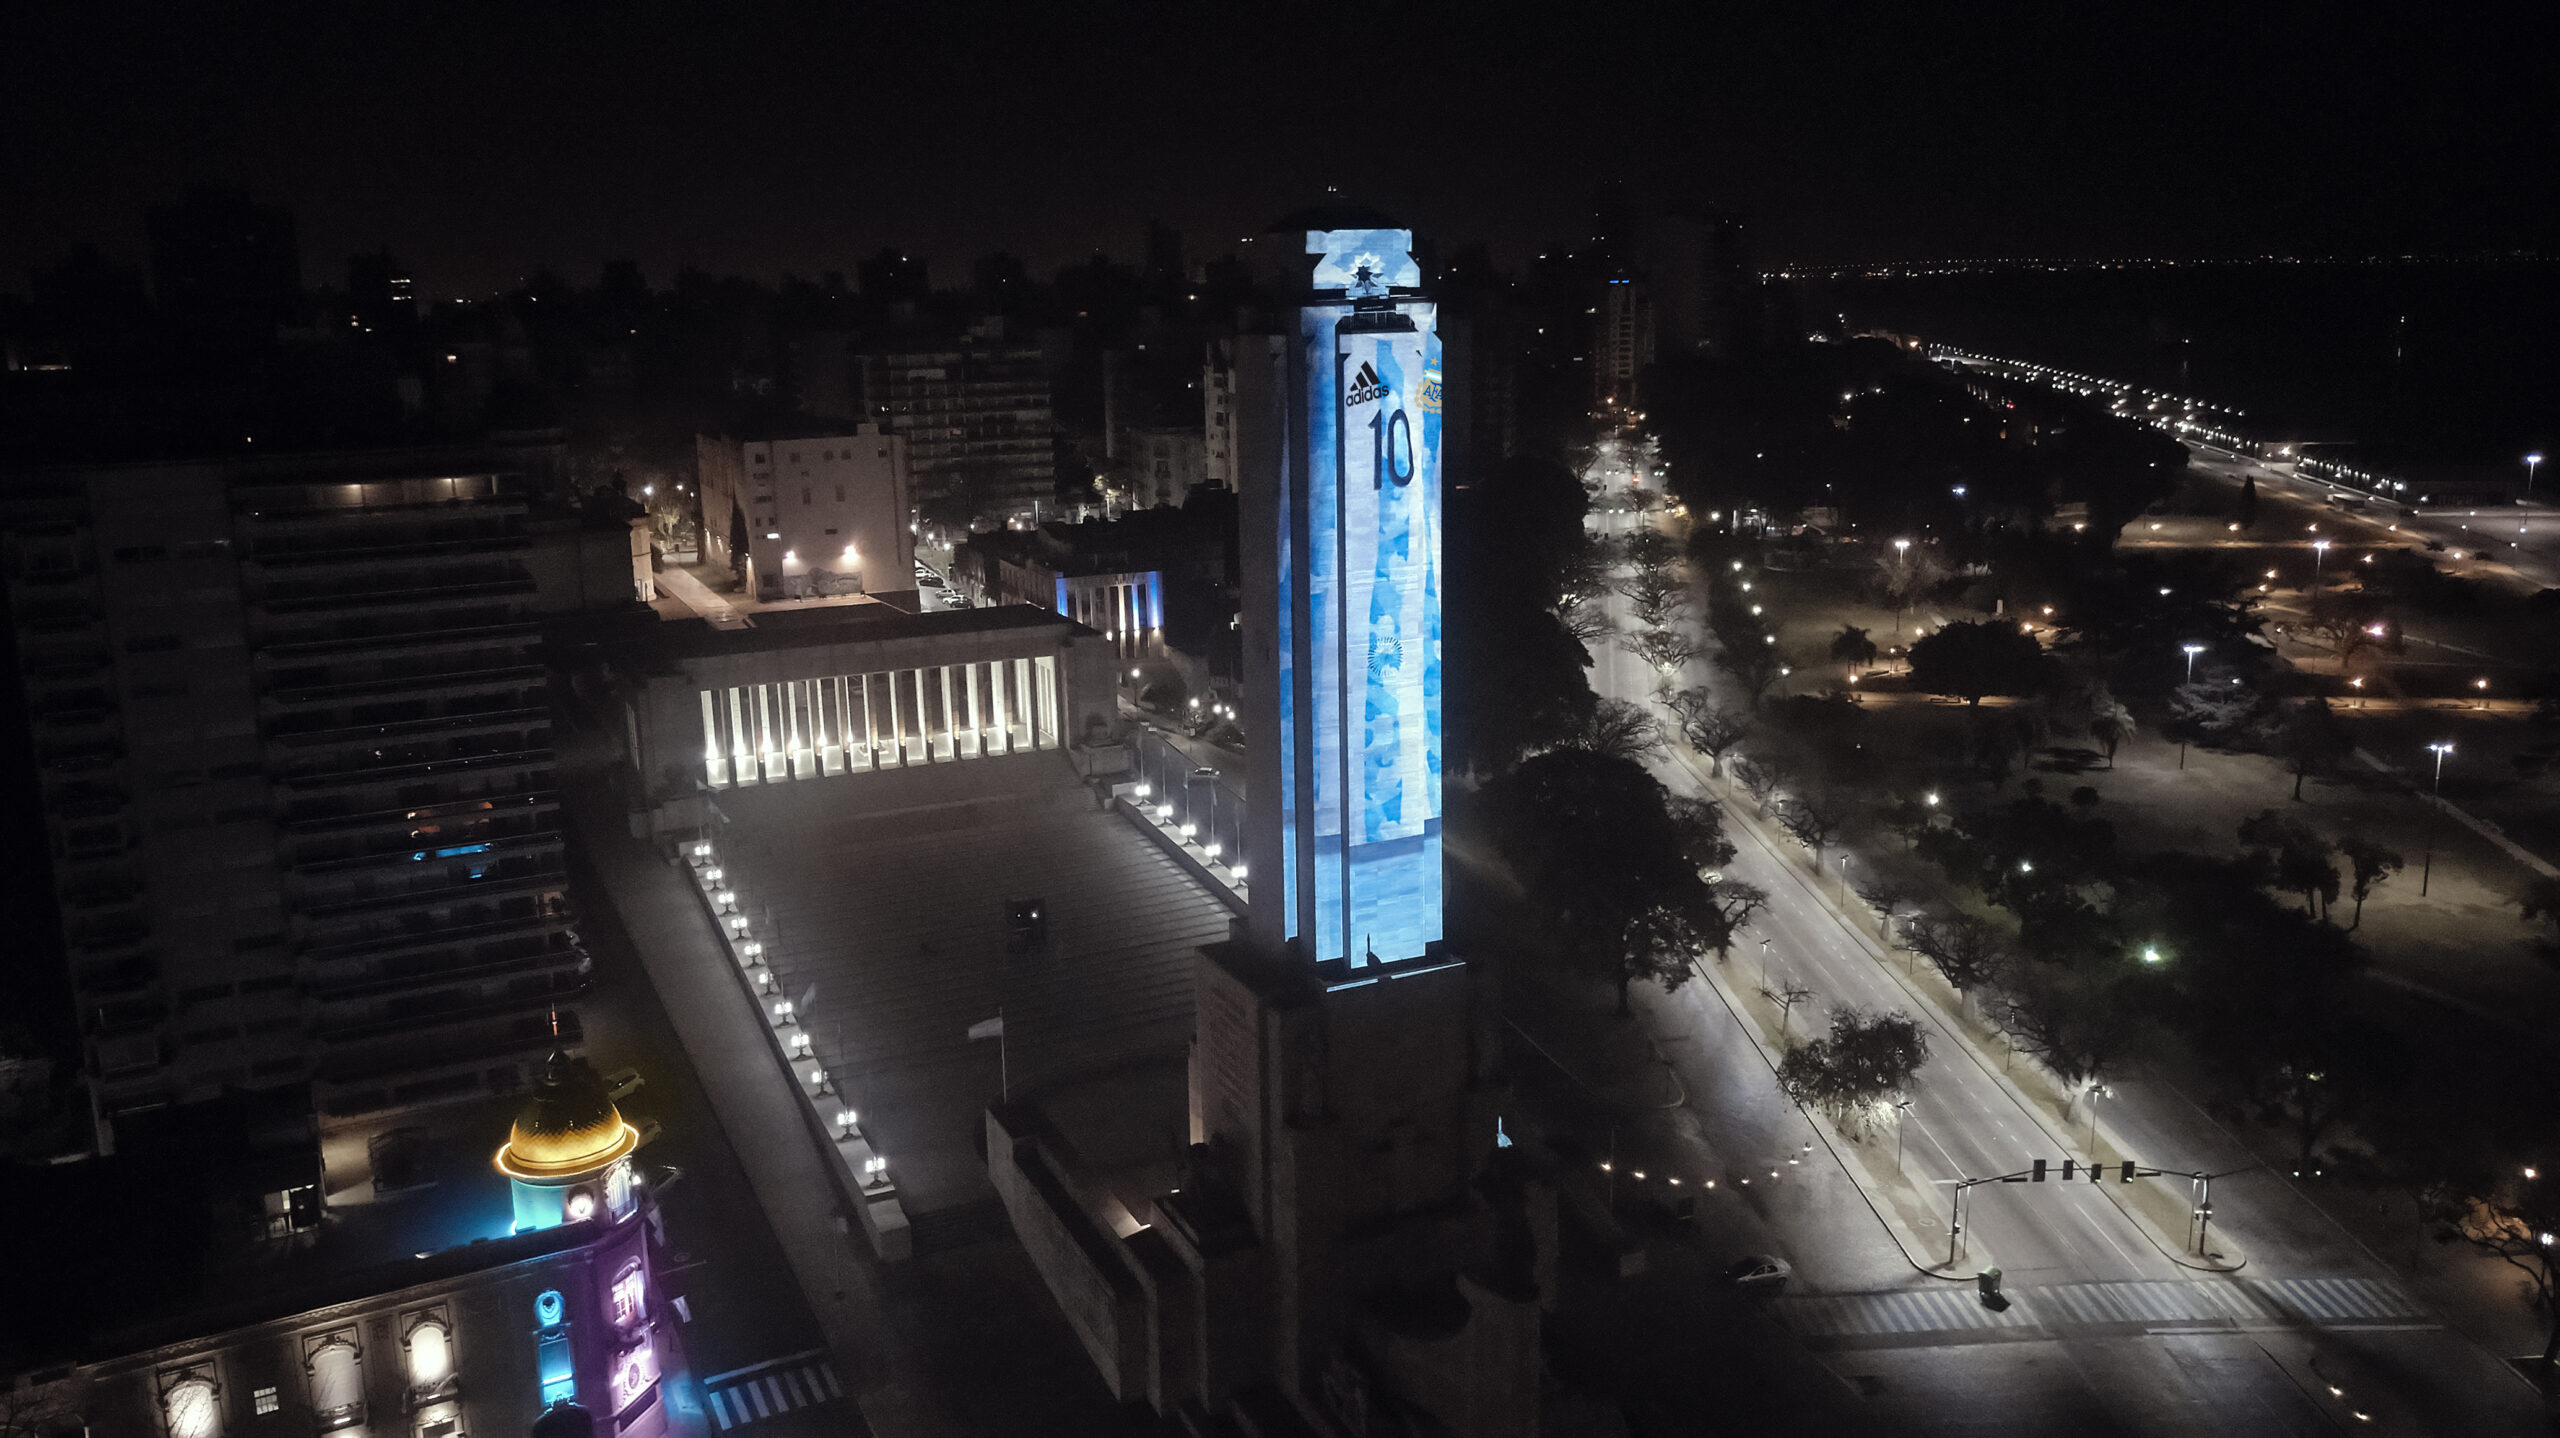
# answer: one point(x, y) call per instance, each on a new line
point(294, 745)
point(976, 415)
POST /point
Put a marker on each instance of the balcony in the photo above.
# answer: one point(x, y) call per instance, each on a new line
point(383, 601)
point(519, 761)
point(437, 727)
point(538, 951)
point(493, 680)
point(531, 993)
point(419, 941)
point(411, 641)
point(406, 846)
point(490, 890)
point(409, 815)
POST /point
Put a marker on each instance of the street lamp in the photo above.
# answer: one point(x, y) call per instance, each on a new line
point(2191, 651)
point(2319, 551)
point(2483, 686)
point(2426, 872)
point(2532, 462)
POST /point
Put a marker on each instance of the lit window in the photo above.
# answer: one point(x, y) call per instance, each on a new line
point(430, 1355)
point(192, 1411)
point(265, 1401)
point(627, 1296)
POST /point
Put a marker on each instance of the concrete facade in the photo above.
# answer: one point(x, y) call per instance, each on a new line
point(826, 514)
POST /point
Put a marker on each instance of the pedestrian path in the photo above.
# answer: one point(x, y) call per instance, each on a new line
point(2319, 1302)
point(769, 1389)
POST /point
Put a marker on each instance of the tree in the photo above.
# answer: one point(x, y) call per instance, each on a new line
point(2314, 741)
point(1910, 818)
point(2369, 866)
point(1754, 666)
point(1852, 650)
point(1584, 620)
point(1655, 593)
point(2293, 858)
point(1709, 730)
point(1616, 729)
point(1667, 650)
point(1700, 825)
point(1971, 659)
point(1853, 1075)
point(1594, 839)
point(2351, 620)
point(2218, 709)
point(2248, 514)
point(1786, 995)
point(1967, 951)
point(2077, 1019)
point(1738, 902)
point(1648, 548)
point(1884, 894)
point(1813, 822)
point(1761, 779)
point(2540, 902)
point(1516, 684)
point(2110, 723)
point(2511, 1218)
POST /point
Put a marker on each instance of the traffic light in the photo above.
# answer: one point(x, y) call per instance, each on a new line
point(2039, 1170)
point(2068, 1166)
point(2126, 1174)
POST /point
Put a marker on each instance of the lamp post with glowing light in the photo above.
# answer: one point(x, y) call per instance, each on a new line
point(2319, 552)
point(2426, 871)
point(2532, 462)
point(1901, 582)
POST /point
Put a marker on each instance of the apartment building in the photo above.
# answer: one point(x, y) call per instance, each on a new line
point(294, 750)
point(977, 415)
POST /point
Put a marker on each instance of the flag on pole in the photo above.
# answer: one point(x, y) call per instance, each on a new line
point(991, 1029)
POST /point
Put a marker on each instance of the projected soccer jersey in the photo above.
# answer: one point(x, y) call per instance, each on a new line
point(1360, 601)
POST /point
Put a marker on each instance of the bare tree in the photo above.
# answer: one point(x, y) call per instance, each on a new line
point(1813, 821)
point(1761, 779)
point(1668, 650)
point(1738, 901)
point(1584, 620)
point(1786, 995)
point(1618, 729)
point(1966, 950)
point(1655, 592)
point(1754, 667)
point(2369, 865)
point(1709, 730)
point(1884, 894)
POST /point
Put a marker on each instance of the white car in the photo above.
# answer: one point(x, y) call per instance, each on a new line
point(1760, 1270)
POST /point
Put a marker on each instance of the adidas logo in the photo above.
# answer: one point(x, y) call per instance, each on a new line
point(1364, 386)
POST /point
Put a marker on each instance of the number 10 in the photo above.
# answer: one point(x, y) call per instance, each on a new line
point(1390, 450)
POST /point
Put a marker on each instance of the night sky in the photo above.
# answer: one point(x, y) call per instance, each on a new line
point(479, 143)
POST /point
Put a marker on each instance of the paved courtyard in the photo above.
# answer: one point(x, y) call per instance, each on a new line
point(895, 930)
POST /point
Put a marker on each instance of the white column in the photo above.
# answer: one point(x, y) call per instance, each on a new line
point(950, 715)
point(977, 734)
point(715, 769)
point(822, 706)
point(897, 729)
point(742, 750)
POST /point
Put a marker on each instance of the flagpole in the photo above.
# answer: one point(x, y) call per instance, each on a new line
point(1004, 1065)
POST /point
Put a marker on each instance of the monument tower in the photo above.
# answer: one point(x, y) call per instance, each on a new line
point(1340, 1248)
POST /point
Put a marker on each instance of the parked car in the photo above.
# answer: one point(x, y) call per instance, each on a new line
point(1760, 1270)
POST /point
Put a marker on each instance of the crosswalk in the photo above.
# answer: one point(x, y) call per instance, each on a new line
point(2322, 1302)
point(776, 1386)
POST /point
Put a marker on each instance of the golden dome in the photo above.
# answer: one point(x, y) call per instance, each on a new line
point(571, 1128)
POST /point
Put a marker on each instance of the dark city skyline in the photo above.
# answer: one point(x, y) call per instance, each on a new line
point(483, 144)
point(844, 721)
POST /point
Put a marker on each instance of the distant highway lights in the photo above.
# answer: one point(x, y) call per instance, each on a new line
point(2426, 871)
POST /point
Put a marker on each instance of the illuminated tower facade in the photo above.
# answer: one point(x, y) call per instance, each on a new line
point(1341, 480)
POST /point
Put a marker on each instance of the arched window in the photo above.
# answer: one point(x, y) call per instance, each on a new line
point(430, 1355)
point(192, 1409)
point(337, 1383)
